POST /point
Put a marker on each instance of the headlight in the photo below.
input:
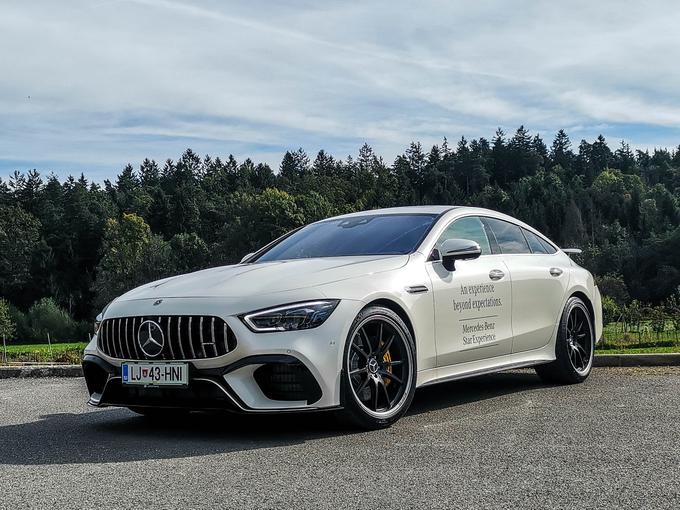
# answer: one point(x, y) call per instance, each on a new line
point(98, 320)
point(97, 323)
point(307, 315)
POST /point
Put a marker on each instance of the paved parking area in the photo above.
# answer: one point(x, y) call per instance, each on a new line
point(497, 441)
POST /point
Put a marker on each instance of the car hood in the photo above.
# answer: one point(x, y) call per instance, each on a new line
point(242, 280)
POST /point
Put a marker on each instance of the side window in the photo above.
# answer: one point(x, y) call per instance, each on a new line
point(549, 248)
point(471, 228)
point(534, 242)
point(509, 236)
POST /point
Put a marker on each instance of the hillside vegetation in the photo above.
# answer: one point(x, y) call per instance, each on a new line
point(68, 247)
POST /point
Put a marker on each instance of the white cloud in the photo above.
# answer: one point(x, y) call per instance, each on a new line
point(113, 81)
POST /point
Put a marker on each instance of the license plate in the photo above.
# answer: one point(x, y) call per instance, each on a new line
point(155, 374)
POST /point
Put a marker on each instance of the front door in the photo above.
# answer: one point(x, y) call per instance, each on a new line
point(472, 303)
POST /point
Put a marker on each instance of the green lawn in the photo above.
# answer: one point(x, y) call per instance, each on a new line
point(60, 352)
point(640, 350)
point(618, 338)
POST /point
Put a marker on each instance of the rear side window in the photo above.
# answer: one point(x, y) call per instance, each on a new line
point(470, 228)
point(508, 236)
point(549, 248)
point(534, 242)
point(538, 244)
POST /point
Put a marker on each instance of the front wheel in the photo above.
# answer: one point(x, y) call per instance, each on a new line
point(574, 347)
point(379, 369)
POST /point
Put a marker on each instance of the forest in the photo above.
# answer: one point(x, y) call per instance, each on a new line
point(68, 247)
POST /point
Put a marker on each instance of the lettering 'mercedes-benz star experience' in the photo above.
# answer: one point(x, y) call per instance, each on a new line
point(351, 313)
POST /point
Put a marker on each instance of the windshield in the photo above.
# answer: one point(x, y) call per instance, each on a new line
point(390, 234)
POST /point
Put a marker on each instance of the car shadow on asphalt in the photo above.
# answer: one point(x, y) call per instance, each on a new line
point(473, 389)
point(118, 435)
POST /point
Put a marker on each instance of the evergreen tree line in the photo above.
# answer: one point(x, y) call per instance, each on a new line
point(75, 245)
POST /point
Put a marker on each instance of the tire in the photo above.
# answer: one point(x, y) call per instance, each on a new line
point(378, 378)
point(574, 347)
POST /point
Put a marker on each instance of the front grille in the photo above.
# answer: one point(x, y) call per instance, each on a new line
point(185, 337)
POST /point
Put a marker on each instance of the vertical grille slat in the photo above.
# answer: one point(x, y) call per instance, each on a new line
point(200, 327)
point(117, 334)
point(179, 336)
point(105, 340)
point(169, 338)
point(164, 352)
point(102, 340)
point(190, 339)
point(109, 338)
point(212, 336)
point(134, 337)
point(126, 351)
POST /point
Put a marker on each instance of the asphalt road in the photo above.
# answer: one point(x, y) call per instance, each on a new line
point(498, 441)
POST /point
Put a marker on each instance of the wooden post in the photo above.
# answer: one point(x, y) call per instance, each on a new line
point(4, 347)
point(49, 344)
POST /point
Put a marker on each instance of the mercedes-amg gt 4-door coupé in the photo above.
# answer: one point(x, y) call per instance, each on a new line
point(350, 313)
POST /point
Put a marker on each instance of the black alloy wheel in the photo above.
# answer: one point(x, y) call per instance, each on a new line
point(379, 369)
point(574, 346)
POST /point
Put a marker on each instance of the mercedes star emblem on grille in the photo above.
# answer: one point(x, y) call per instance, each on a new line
point(150, 338)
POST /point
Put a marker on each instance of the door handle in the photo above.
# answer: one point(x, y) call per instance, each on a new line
point(555, 271)
point(496, 274)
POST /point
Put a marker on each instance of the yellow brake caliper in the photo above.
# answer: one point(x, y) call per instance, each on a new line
point(387, 358)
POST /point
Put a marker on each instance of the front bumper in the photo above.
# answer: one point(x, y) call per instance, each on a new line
point(266, 372)
point(207, 389)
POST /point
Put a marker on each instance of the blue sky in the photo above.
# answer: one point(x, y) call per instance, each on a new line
point(88, 86)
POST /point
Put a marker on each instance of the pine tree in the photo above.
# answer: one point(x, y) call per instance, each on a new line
point(560, 151)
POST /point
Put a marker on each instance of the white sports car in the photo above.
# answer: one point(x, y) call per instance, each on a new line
point(350, 313)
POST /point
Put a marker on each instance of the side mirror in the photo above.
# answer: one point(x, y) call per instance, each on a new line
point(246, 257)
point(458, 249)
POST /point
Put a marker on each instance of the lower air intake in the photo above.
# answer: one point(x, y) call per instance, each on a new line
point(288, 381)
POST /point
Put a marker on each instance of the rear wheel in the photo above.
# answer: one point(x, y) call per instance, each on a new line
point(574, 348)
point(379, 369)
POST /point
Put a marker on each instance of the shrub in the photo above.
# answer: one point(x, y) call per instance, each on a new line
point(23, 328)
point(45, 317)
point(673, 309)
point(610, 310)
point(658, 320)
point(613, 286)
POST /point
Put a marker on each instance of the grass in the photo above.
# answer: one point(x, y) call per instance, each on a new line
point(616, 340)
point(640, 350)
point(615, 332)
point(60, 352)
point(620, 339)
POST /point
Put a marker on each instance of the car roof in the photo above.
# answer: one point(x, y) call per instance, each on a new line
point(415, 209)
point(440, 210)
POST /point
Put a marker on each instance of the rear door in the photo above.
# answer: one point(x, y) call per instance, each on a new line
point(539, 282)
point(472, 303)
